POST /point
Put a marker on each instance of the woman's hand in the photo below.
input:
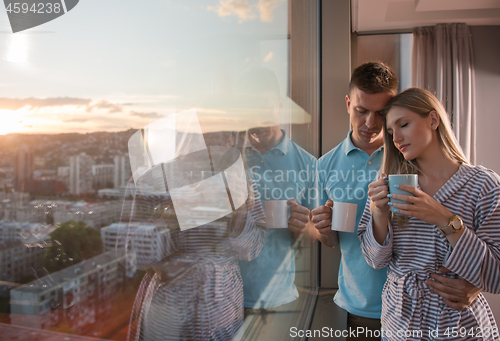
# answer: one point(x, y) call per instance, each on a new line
point(424, 206)
point(377, 191)
point(379, 207)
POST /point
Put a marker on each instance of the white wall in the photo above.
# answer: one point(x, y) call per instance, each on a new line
point(487, 65)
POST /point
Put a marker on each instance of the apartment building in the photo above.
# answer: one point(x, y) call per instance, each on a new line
point(13, 230)
point(17, 261)
point(149, 242)
point(80, 174)
point(103, 176)
point(122, 171)
point(97, 277)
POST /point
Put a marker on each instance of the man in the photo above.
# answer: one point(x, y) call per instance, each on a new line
point(276, 163)
point(343, 175)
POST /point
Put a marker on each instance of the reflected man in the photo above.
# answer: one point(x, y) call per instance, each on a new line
point(282, 171)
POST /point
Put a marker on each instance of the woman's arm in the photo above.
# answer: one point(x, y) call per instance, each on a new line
point(374, 230)
point(248, 244)
point(476, 249)
point(476, 255)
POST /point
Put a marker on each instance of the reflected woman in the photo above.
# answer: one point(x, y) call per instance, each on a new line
point(452, 220)
point(193, 288)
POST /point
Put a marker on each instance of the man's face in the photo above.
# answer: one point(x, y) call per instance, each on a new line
point(263, 137)
point(365, 111)
point(267, 115)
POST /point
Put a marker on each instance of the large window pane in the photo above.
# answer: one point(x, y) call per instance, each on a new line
point(141, 144)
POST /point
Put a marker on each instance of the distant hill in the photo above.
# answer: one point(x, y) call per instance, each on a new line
point(55, 149)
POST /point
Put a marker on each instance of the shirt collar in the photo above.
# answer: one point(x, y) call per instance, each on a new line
point(349, 146)
point(285, 143)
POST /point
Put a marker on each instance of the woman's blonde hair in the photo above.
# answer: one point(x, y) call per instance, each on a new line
point(421, 102)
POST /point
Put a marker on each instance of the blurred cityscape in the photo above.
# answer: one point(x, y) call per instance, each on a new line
point(58, 195)
point(64, 227)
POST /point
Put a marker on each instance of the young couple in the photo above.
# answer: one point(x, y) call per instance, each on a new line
point(444, 246)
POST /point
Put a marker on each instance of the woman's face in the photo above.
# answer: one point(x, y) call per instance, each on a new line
point(412, 134)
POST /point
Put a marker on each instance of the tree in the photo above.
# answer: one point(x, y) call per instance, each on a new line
point(72, 242)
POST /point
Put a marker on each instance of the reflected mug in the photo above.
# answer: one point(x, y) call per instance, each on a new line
point(343, 217)
point(277, 214)
point(401, 179)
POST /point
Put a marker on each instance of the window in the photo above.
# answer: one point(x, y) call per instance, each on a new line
point(393, 49)
point(188, 79)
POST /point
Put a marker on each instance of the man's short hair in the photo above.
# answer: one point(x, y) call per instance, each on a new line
point(258, 80)
point(374, 78)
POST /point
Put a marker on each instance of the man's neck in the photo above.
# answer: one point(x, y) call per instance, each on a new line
point(368, 148)
point(371, 148)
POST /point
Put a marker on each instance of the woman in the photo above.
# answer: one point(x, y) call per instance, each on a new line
point(452, 221)
point(193, 288)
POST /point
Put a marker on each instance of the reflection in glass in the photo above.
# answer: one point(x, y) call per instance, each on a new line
point(193, 288)
point(180, 210)
point(283, 171)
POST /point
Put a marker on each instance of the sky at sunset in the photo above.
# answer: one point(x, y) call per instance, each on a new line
point(121, 64)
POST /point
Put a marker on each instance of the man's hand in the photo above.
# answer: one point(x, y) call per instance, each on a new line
point(300, 223)
point(299, 217)
point(322, 220)
point(456, 292)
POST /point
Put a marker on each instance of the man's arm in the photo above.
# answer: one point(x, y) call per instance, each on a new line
point(456, 292)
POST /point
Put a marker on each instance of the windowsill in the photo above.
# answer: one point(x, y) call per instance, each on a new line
point(276, 324)
point(314, 310)
point(328, 314)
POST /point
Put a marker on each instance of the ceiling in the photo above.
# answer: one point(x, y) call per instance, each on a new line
point(387, 15)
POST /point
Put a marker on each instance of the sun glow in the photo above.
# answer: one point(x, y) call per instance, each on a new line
point(12, 122)
point(17, 51)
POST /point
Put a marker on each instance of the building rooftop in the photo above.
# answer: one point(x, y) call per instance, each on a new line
point(133, 225)
point(58, 278)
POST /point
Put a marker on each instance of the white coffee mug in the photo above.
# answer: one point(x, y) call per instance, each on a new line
point(277, 213)
point(344, 217)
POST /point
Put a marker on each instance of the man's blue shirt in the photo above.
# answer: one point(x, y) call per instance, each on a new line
point(284, 172)
point(344, 174)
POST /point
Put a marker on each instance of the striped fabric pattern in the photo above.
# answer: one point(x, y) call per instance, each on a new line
point(414, 252)
point(196, 291)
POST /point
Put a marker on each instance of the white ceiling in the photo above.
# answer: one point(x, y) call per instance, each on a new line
point(383, 15)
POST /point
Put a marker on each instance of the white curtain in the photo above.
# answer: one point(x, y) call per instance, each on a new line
point(442, 63)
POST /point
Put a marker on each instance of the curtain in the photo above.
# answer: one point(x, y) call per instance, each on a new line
point(442, 62)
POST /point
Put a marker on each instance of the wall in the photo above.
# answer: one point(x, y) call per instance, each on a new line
point(336, 73)
point(486, 59)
